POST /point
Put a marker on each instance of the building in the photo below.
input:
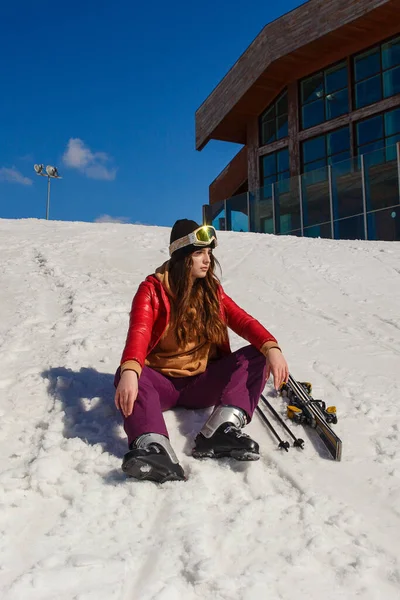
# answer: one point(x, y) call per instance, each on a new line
point(315, 101)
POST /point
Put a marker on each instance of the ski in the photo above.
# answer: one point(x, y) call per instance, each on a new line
point(304, 409)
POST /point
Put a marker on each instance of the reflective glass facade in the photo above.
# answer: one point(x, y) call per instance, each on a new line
point(348, 181)
point(324, 96)
point(275, 166)
point(326, 149)
point(377, 73)
point(274, 121)
point(380, 132)
point(274, 170)
point(217, 215)
point(358, 198)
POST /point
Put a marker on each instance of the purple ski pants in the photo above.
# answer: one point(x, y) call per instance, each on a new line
point(237, 379)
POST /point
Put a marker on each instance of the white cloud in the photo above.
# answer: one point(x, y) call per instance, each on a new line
point(110, 219)
point(14, 176)
point(95, 165)
point(100, 172)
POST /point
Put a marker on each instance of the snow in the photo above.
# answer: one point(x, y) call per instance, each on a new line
point(290, 525)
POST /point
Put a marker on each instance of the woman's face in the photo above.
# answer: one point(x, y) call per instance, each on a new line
point(201, 260)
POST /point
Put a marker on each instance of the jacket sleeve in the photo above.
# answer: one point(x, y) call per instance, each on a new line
point(246, 326)
point(140, 328)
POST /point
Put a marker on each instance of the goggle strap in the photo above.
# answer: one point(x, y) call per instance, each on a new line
point(191, 238)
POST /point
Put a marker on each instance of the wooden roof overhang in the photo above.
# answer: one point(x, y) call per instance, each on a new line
point(316, 34)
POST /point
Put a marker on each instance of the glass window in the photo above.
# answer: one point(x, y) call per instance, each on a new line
point(377, 73)
point(336, 104)
point(368, 91)
point(270, 113)
point(381, 181)
point(313, 114)
point(269, 132)
point(384, 225)
point(371, 147)
point(338, 141)
point(326, 149)
point(367, 64)
point(316, 164)
point(336, 158)
point(336, 78)
point(237, 217)
point(282, 129)
point(312, 88)
point(314, 149)
point(275, 167)
point(287, 205)
point(391, 82)
point(379, 132)
point(350, 229)
point(282, 105)
point(283, 161)
point(391, 54)
point(346, 181)
point(274, 121)
point(391, 150)
point(316, 231)
point(315, 197)
point(217, 215)
point(369, 130)
point(324, 96)
point(269, 164)
point(392, 122)
point(269, 180)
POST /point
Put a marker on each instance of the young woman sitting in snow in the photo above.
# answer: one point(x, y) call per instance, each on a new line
point(177, 354)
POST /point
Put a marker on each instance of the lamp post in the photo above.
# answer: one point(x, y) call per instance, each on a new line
point(51, 173)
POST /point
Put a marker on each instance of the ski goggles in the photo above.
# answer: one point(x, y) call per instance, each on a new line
point(201, 237)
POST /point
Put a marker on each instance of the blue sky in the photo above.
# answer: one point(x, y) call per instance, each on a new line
point(107, 92)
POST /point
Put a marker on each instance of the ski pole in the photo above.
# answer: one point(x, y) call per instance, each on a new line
point(283, 445)
point(298, 442)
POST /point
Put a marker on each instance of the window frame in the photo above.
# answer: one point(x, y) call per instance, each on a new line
point(327, 156)
point(380, 139)
point(277, 173)
point(347, 87)
point(380, 73)
point(275, 119)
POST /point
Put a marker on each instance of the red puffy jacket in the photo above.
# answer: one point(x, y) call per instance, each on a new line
point(150, 316)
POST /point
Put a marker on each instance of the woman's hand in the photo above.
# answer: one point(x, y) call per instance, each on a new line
point(127, 392)
point(277, 364)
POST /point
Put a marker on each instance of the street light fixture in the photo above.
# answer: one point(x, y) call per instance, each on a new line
point(51, 173)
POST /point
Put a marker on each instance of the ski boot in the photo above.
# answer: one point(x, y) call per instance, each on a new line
point(221, 436)
point(152, 458)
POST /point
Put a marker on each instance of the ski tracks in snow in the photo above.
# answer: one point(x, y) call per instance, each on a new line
point(72, 526)
point(40, 473)
point(332, 525)
point(262, 529)
point(349, 324)
point(45, 307)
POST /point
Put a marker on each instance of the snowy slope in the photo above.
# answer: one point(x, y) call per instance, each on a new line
point(290, 525)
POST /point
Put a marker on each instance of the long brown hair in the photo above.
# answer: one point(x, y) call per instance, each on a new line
point(197, 305)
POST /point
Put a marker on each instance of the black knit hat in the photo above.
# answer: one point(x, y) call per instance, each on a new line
point(181, 228)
